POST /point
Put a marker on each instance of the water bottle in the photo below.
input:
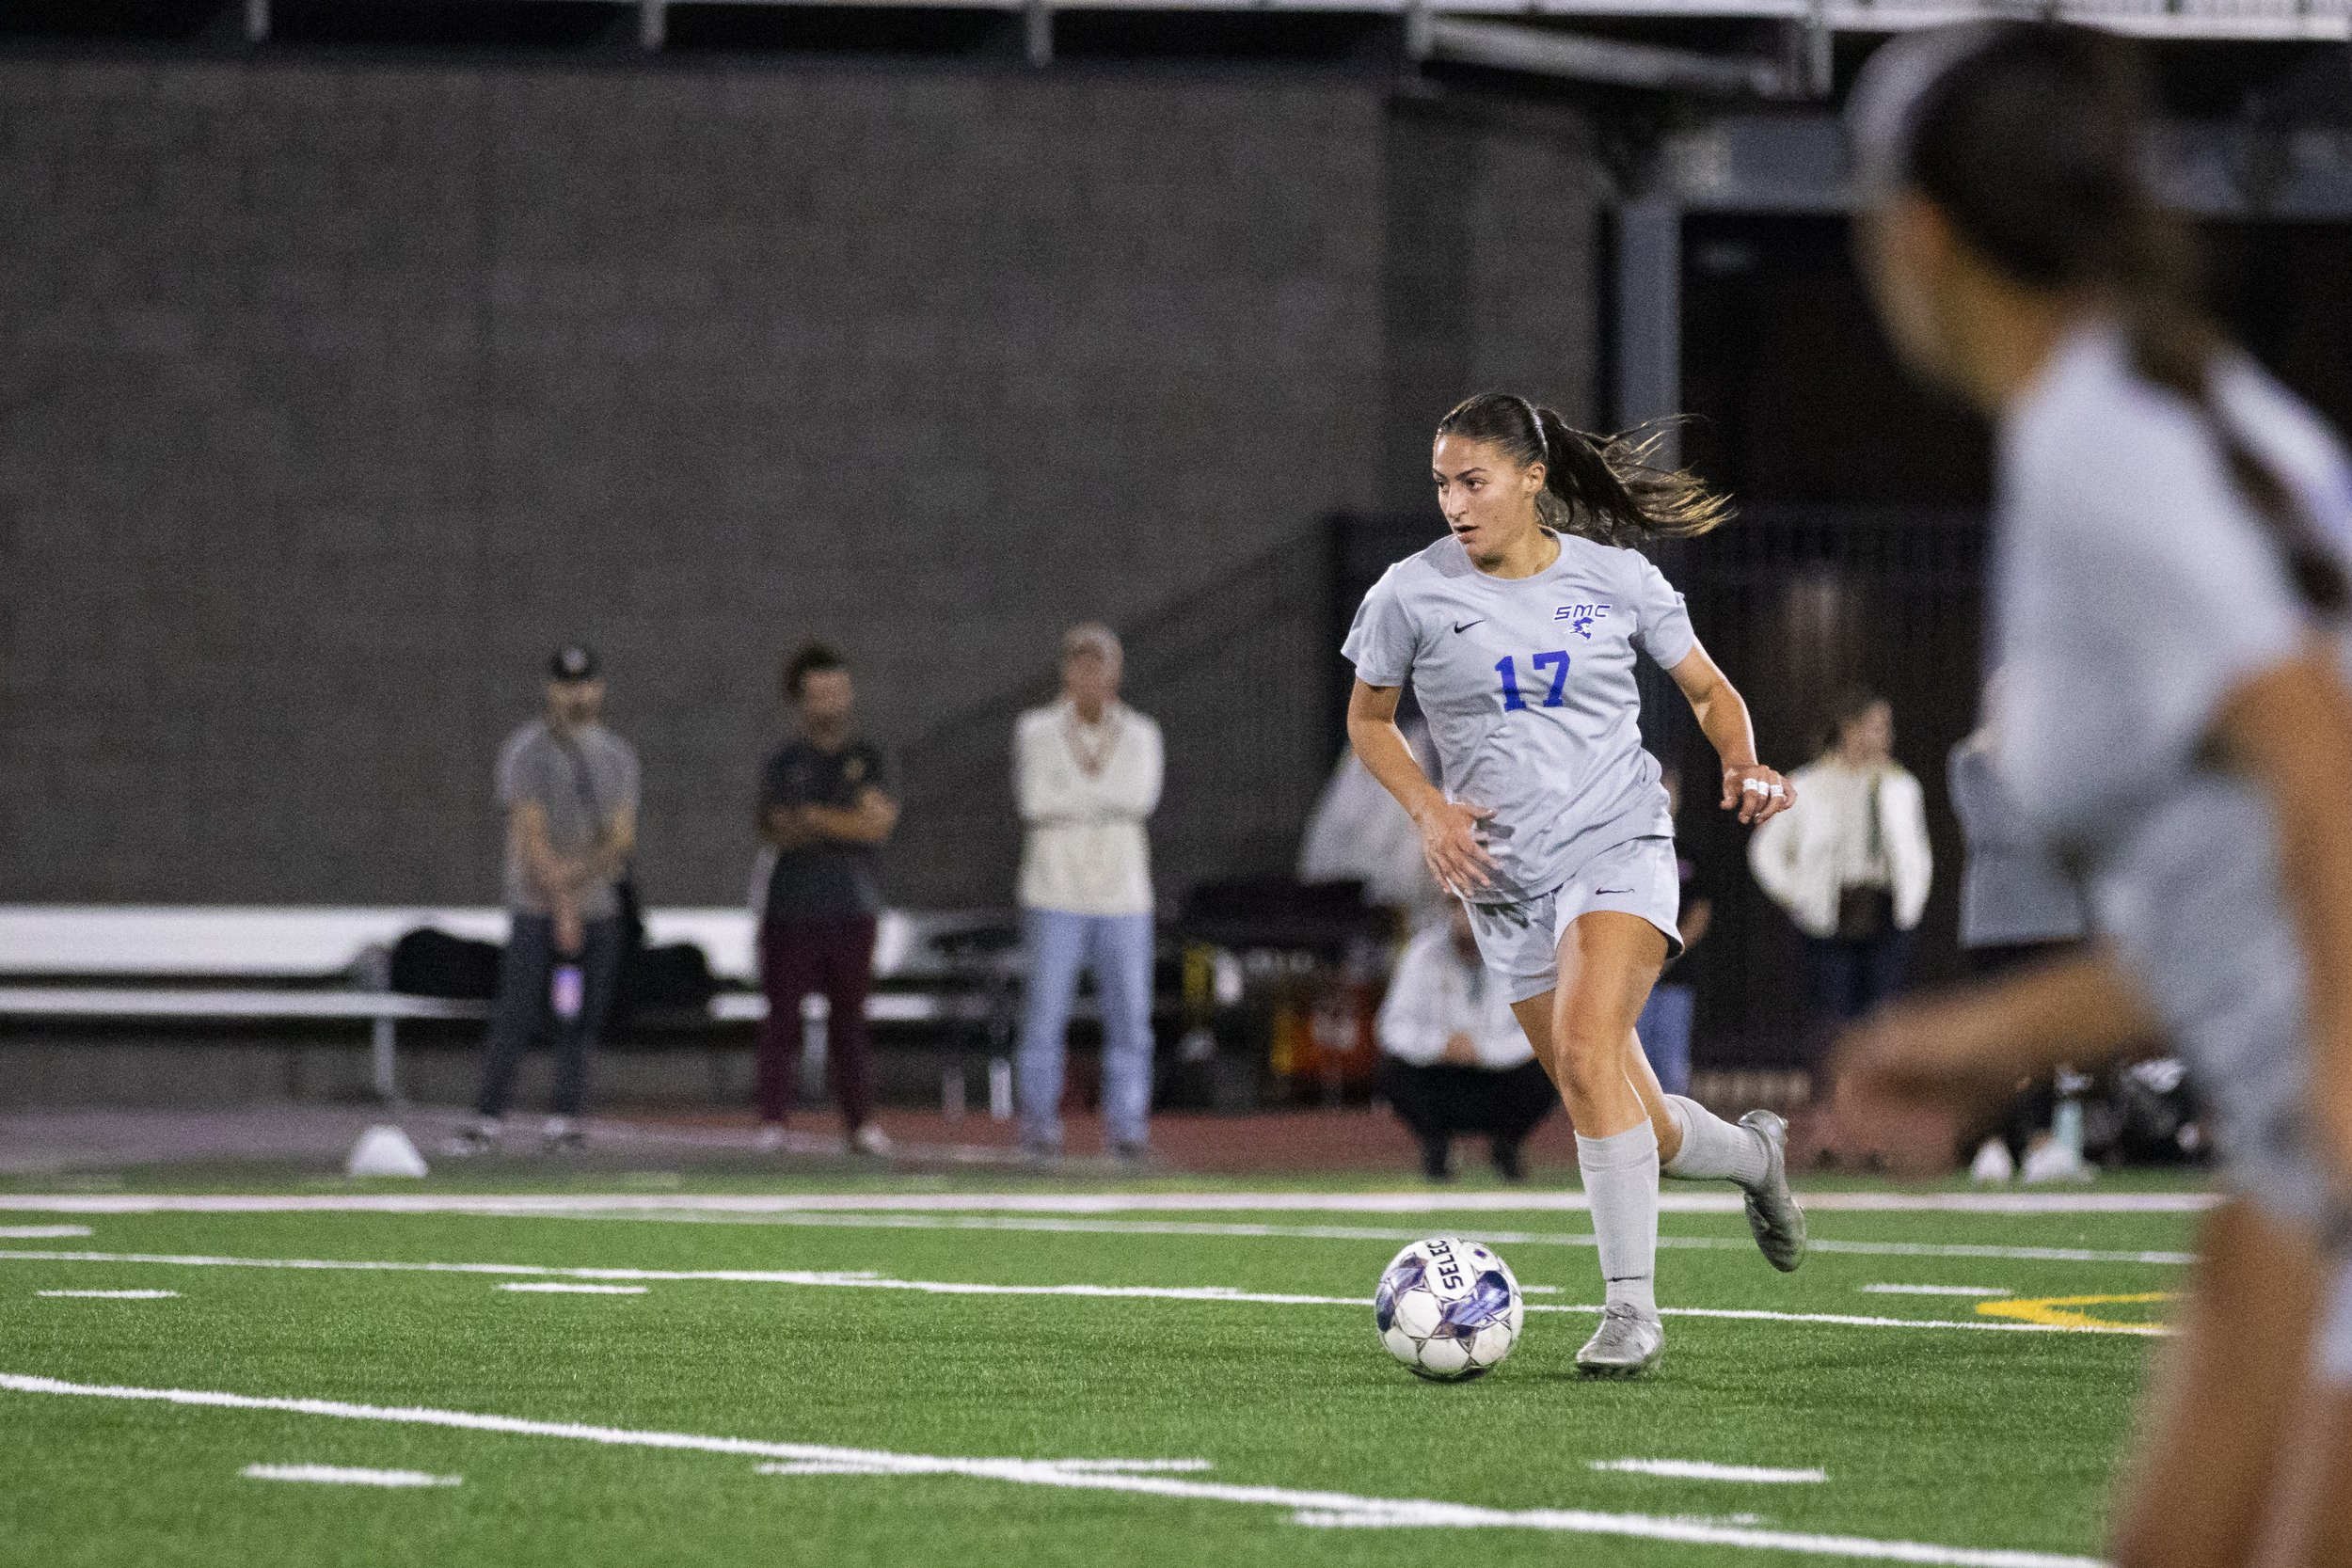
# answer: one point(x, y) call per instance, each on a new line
point(565, 990)
point(2066, 1121)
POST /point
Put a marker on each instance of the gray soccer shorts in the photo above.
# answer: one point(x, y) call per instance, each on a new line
point(1520, 941)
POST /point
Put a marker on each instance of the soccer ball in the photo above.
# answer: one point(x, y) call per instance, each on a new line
point(1449, 1309)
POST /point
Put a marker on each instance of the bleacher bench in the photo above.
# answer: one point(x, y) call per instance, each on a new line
point(217, 963)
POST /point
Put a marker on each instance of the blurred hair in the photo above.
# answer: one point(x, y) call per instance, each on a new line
point(2030, 138)
point(808, 659)
point(1092, 636)
point(1848, 707)
point(1604, 488)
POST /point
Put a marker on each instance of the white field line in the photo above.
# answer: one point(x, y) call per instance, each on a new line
point(41, 1232)
point(884, 1220)
point(1102, 1467)
point(1700, 1469)
point(1937, 1291)
point(1304, 1506)
point(113, 1295)
point(545, 1288)
point(1713, 1202)
point(1221, 1293)
point(342, 1475)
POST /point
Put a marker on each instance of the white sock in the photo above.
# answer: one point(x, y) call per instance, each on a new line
point(1621, 1184)
point(1714, 1149)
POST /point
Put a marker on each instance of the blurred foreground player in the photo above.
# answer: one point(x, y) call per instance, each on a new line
point(1520, 632)
point(2172, 584)
point(1453, 1059)
point(569, 787)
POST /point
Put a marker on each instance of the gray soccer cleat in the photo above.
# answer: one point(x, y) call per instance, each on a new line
point(1772, 1211)
point(1627, 1345)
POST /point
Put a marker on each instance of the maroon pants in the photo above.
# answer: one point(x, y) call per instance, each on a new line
point(831, 959)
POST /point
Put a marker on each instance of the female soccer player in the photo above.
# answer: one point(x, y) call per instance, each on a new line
point(2171, 559)
point(1518, 631)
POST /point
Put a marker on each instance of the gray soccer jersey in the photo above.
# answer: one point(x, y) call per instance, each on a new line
point(2134, 591)
point(1528, 687)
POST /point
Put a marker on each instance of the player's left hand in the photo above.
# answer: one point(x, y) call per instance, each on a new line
point(1757, 793)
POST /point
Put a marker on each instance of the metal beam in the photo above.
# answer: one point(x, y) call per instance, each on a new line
point(1036, 31)
point(1649, 316)
point(653, 24)
point(1506, 46)
point(1794, 161)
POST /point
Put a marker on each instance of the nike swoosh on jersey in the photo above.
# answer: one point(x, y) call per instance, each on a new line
point(1609, 891)
point(1466, 625)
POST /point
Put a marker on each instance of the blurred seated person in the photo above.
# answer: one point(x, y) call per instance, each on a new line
point(1453, 1059)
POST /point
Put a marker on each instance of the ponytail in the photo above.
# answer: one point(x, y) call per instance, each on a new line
point(1607, 488)
point(2027, 136)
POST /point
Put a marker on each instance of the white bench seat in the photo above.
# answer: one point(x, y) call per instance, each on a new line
point(60, 956)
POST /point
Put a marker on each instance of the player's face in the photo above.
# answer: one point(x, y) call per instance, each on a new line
point(1488, 500)
point(1907, 252)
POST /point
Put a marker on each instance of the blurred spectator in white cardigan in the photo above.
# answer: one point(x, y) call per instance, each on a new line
point(1453, 1059)
point(1849, 865)
point(1359, 833)
point(1087, 773)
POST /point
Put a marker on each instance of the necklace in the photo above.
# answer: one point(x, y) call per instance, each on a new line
point(1093, 754)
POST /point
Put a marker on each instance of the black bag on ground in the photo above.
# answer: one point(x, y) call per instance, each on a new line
point(426, 963)
point(676, 977)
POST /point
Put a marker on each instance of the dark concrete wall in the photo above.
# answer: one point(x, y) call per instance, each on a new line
point(335, 393)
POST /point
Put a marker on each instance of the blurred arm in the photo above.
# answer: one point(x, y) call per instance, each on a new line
point(2075, 1011)
point(1722, 716)
point(2289, 730)
point(1046, 783)
point(870, 821)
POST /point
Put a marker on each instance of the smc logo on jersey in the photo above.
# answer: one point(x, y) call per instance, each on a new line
point(1580, 617)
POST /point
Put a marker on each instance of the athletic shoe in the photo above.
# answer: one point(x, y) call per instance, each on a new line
point(1133, 1156)
point(481, 1137)
point(560, 1135)
point(1627, 1345)
point(2054, 1162)
point(769, 1138)
point(1994, 1163)
point(870, 1139)
point(1772, 1211)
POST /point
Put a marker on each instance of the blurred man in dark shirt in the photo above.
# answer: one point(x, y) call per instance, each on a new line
point(823, 810)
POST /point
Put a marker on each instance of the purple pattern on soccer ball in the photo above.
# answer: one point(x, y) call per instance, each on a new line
point(1394, 1284)
point(1489, 1300)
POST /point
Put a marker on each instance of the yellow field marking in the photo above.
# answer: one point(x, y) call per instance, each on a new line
point(2060, 1311)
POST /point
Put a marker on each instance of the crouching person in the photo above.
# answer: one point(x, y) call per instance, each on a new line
point(1453, 1059)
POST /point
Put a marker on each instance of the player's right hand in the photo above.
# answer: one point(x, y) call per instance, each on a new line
point(1905, 1086)
point(1450, 844)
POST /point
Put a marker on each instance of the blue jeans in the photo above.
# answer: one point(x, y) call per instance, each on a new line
point(1665, 1030)
point(521, 1016)
point(1118, 948)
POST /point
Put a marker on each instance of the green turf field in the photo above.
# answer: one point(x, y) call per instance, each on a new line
point(800, 1387)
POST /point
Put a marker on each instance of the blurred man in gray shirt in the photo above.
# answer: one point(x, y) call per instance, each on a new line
point(569, 788)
